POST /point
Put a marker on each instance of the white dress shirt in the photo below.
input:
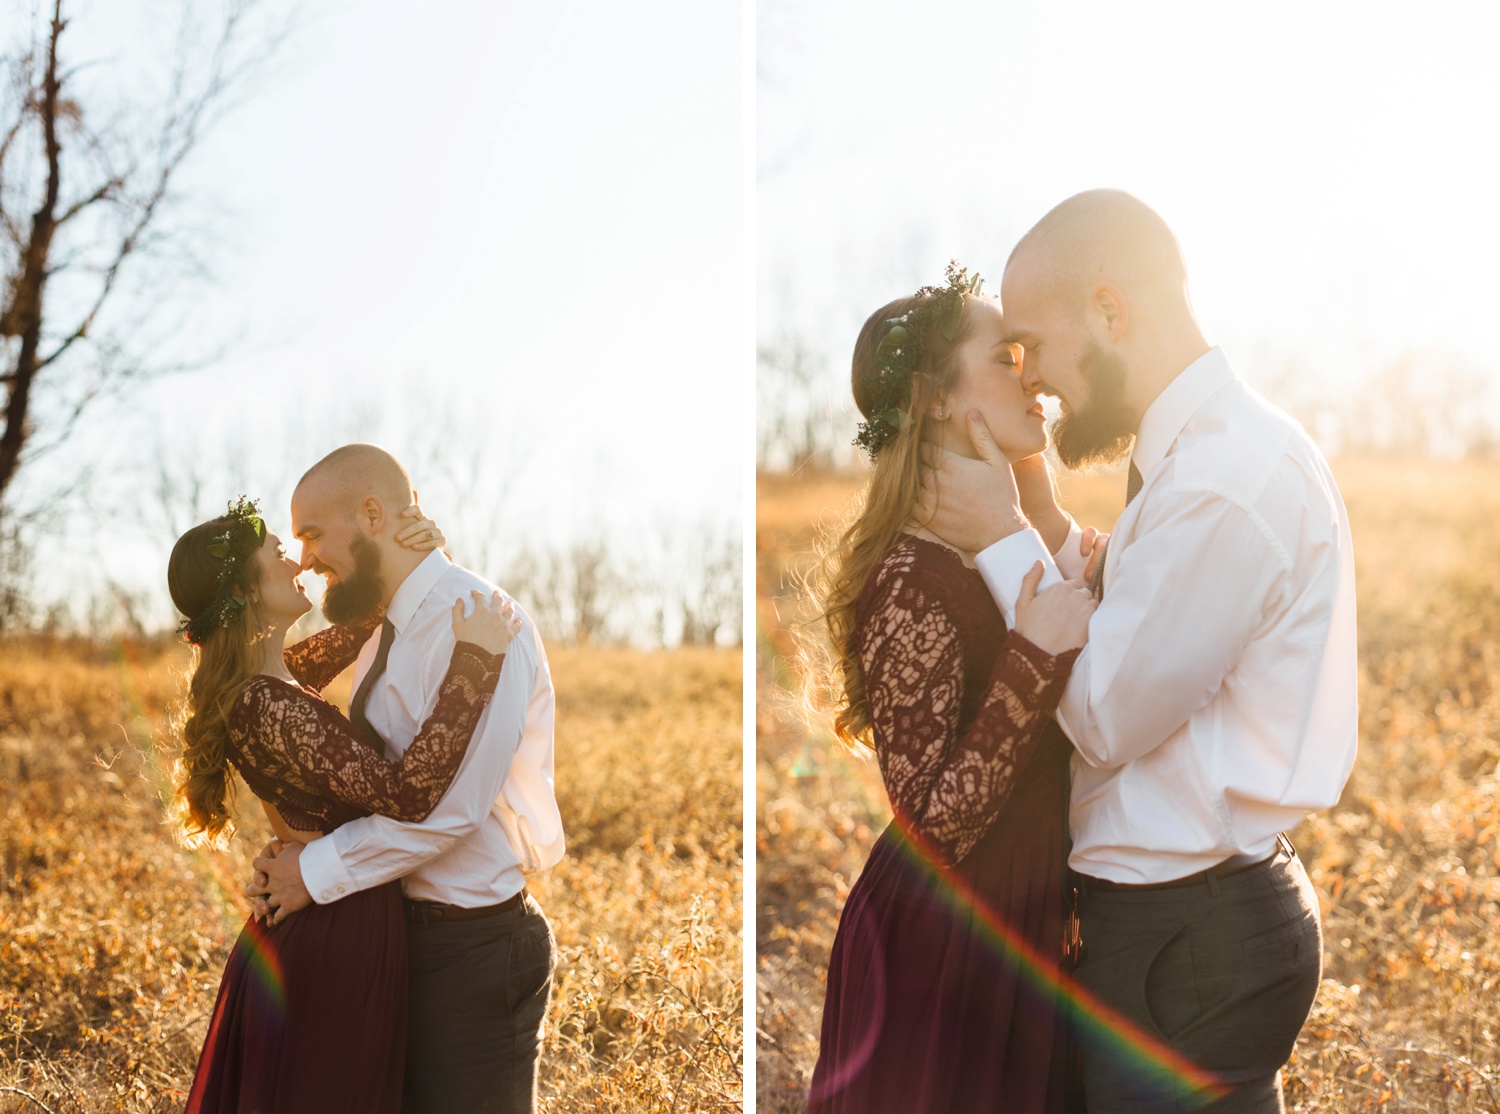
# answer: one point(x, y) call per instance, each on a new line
point(1215, 703)
point(499, 819)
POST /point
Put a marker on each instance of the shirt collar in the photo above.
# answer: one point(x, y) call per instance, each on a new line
point(1178, 402)
point(413, 590)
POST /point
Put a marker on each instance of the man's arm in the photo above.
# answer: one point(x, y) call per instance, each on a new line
point(1181, 602)
point(376, 849)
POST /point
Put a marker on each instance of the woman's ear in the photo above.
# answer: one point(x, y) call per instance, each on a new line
point(937, 409)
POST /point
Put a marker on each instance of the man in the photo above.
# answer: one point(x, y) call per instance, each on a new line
point(1215, 703)
point(481, 950)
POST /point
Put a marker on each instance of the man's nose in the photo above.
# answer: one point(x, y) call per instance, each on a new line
point(305, 562)
point(1031, 382)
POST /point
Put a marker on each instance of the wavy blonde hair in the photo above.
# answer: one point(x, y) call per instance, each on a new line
point(203, 783)
point(847, 555)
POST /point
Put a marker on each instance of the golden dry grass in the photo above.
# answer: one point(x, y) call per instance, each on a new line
point(1407, 866)
point(113, 937)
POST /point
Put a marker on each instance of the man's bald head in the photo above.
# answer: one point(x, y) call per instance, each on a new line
point(348, 476)
point(1102, 236)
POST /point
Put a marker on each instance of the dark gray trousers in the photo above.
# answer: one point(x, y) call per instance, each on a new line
point(479, 992)
point(1220, 974)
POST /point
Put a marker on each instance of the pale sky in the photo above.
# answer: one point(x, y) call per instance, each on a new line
point(518, 222)
point(1330, 169)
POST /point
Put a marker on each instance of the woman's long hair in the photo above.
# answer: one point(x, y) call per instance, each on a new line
point(832, 677)
point(227, 658)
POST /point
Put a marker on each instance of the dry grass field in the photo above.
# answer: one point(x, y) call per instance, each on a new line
point(113, 937)
point(1407, 866)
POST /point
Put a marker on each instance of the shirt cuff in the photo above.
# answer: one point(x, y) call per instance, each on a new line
point(1005, 564)
point(1069, 561)
point(323, 872)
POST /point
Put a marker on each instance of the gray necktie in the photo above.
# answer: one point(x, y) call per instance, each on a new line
point(1133, 482)
point(362, 726)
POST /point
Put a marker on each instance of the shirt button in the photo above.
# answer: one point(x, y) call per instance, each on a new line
point(341, 889)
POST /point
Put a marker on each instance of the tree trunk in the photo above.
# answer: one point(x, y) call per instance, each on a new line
point(23, 317)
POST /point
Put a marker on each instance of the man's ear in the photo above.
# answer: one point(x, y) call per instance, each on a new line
point(1109, 311)
point(372, 514)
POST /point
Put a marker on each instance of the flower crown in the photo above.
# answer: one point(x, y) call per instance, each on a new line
point(901, 349)
point(243, 535)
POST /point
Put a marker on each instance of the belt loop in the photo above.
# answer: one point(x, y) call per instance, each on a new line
point(1213, 882)
point(1082, 883)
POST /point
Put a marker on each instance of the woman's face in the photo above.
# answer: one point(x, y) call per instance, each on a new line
point(280, 596)
point(989, 381)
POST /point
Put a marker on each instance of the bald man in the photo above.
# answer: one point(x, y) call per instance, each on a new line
point(481, 951)
point(1215, 703)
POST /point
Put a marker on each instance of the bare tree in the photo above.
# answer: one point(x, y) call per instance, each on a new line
point(86, 190)
point(710, 596)
point(593, 581)
point(794, 406)
point(571, 591)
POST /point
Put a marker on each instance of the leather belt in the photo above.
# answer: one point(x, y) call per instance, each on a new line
point(433, 912)
point(1235, 864)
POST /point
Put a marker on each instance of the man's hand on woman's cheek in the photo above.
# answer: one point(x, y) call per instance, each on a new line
point(970, 504)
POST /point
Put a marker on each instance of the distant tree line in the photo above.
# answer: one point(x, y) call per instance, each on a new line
point(1414, 405)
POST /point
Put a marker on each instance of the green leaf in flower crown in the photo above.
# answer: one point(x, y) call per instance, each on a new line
point(236, 602)
point(952, 314)
point(895, 417)
point(220, 547)
point(258, 528)
point(892, 340)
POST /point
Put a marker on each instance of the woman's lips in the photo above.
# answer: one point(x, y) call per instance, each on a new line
point(1037, 412)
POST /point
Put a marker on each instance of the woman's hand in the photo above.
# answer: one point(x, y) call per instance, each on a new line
point(1058, 619)
point(491, 625)
point(422, 534)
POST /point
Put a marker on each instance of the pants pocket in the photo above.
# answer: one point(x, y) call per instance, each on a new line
point(1170, 986)
point(533, 961)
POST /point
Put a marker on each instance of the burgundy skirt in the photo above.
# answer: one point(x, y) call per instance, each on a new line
point(943, 994)
point(311, 1014)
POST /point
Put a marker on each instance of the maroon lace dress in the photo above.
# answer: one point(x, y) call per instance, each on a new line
point(311, 1013)
point(939, 994)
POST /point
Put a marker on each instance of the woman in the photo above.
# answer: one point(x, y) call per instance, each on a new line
point(941, 984)
point(311, 1013)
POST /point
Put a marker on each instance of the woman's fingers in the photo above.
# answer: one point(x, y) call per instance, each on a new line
point(1029, 584)
point(413, 512)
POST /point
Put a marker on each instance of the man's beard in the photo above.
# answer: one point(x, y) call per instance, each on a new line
point(1099, 431)
point(357, 596)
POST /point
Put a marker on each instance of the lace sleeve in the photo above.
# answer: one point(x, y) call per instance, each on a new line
point(319, 658)
point(948, 786)
point(300, 733)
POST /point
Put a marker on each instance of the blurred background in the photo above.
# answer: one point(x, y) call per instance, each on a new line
point(503, 242)
point(1324, 167)
point(1328, 170)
